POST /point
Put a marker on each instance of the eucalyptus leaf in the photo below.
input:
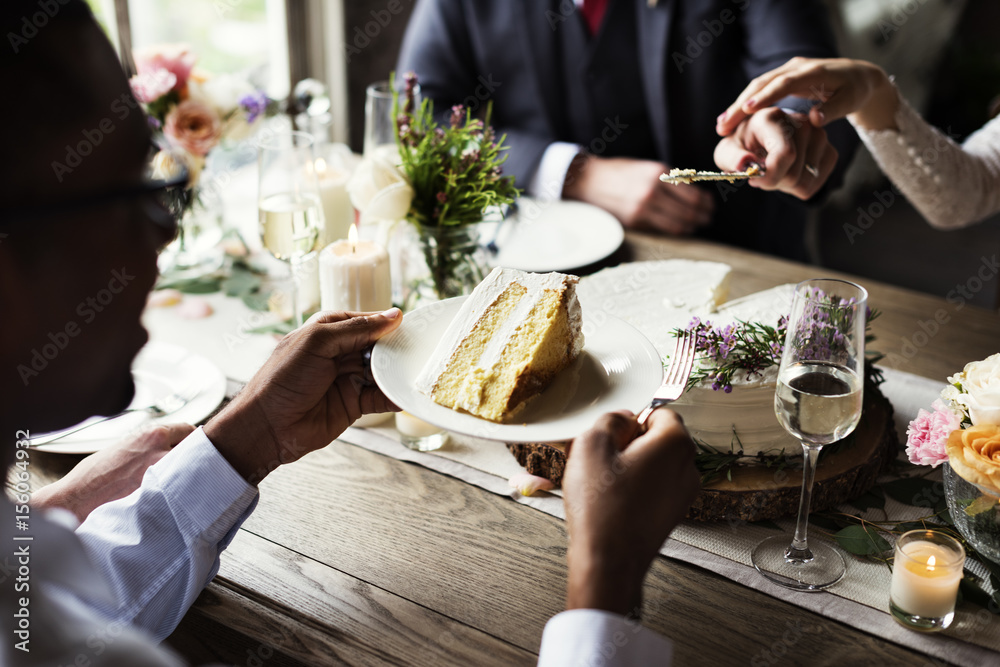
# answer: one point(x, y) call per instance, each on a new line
point(257, 301)
point(241, 283)
point(200, 285)
point(862, 541)
point(827, 522)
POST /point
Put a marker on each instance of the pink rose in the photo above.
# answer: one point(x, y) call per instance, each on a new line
point(928, 434)
point(175, 58)
point(151, 85)
point(194, 127)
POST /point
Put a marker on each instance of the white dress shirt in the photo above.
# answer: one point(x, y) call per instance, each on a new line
point(106, 594)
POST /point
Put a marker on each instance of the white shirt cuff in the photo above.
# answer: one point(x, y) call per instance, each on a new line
point(547, 183)
point(589, 637)
point(199, 481)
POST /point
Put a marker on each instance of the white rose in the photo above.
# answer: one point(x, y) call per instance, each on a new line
point(380, 190)
point(222, 92)
point(981, 385)
point(164, 166)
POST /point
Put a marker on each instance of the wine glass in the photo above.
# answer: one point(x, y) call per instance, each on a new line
point(291, 216)
point(380, 126)
point(818, 400)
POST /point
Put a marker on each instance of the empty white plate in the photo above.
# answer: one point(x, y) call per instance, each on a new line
point(159, 370)
point(554, 236)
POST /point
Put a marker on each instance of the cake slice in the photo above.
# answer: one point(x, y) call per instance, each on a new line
point(506, 344)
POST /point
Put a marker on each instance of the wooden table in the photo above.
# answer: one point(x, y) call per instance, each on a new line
point(351, 557)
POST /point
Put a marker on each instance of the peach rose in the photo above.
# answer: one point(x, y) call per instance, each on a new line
point(194, 127)
point(974, 453)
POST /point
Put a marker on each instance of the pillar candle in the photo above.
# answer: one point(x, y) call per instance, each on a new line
point(354, 276)
point(338, 213)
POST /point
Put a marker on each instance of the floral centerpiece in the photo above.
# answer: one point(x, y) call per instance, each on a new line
point(445, 177)
point(962, 429)
point(191, 112)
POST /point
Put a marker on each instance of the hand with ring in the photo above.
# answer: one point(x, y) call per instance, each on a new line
point(797, 157)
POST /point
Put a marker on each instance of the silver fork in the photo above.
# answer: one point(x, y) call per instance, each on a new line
point(161, 408)
point(681, 364)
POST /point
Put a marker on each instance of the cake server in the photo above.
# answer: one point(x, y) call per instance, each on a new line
point(681, 364)
point(679, 176)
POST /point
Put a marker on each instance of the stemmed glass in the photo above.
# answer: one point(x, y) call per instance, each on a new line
point(818, 400)
point(380, 125)
point(291, 216)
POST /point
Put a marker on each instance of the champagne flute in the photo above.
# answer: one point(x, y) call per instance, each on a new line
point(818, 400)
point(291, 216)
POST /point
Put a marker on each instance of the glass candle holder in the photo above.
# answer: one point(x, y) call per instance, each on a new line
point(419, 435)
point(925, 576)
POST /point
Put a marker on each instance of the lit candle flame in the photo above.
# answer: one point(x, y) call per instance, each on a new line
point(930, 563)
point(320, 166)
point(352, 236)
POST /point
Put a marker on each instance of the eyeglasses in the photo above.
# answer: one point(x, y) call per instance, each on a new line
point(162, 201)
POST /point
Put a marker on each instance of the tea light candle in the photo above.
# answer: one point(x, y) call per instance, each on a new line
point(354, 275)
point(925, 577)
point(409, 425)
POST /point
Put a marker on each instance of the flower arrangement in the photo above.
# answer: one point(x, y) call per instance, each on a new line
point(455, 170)
point(191, 110)
point(442, 180)
point(963, 426)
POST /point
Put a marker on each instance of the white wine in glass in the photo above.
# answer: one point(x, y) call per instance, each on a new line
point(289, 224)
point(818, 399)
point(291, 216)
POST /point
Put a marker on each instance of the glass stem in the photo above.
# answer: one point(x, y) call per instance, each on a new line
point(799, 550)
point(296, 308)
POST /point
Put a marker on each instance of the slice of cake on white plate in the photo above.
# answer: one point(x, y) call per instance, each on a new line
point(510, 338)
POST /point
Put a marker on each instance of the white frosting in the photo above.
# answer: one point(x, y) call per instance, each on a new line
point(484, 296)
point(656, 297)
point(659, 297)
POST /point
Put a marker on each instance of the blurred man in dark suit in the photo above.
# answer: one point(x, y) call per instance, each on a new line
point(599, 97)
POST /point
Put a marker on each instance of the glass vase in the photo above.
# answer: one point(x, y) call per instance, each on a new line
point(443, 262)
point(975, 513)
point(195, 250)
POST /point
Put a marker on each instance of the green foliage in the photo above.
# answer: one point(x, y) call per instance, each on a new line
point(455, 169)
point(862, 540)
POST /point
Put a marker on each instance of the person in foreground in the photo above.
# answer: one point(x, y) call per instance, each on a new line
point(951, 185)
point(104, 591)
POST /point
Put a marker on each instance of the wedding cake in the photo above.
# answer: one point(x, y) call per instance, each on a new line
point(659, 298)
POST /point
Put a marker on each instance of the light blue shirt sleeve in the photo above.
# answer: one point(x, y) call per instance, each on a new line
point(594, 638)
point(159, 547)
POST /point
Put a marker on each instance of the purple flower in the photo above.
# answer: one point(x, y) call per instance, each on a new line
point(442, 198)
point(255, 105)
point(457, 115)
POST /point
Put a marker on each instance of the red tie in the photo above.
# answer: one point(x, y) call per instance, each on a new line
point(593, 13)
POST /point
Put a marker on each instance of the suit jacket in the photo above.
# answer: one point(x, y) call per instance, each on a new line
point(695, 55)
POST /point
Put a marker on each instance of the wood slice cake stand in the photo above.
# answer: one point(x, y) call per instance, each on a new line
point(757, 492)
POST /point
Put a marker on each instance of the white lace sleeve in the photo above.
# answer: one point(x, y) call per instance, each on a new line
point(952, 186)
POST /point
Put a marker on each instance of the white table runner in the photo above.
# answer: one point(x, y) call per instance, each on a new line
point(861, 600)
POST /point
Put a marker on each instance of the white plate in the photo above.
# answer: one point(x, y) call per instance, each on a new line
point(159, 370)
point(618, 369)
point(554, 236)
